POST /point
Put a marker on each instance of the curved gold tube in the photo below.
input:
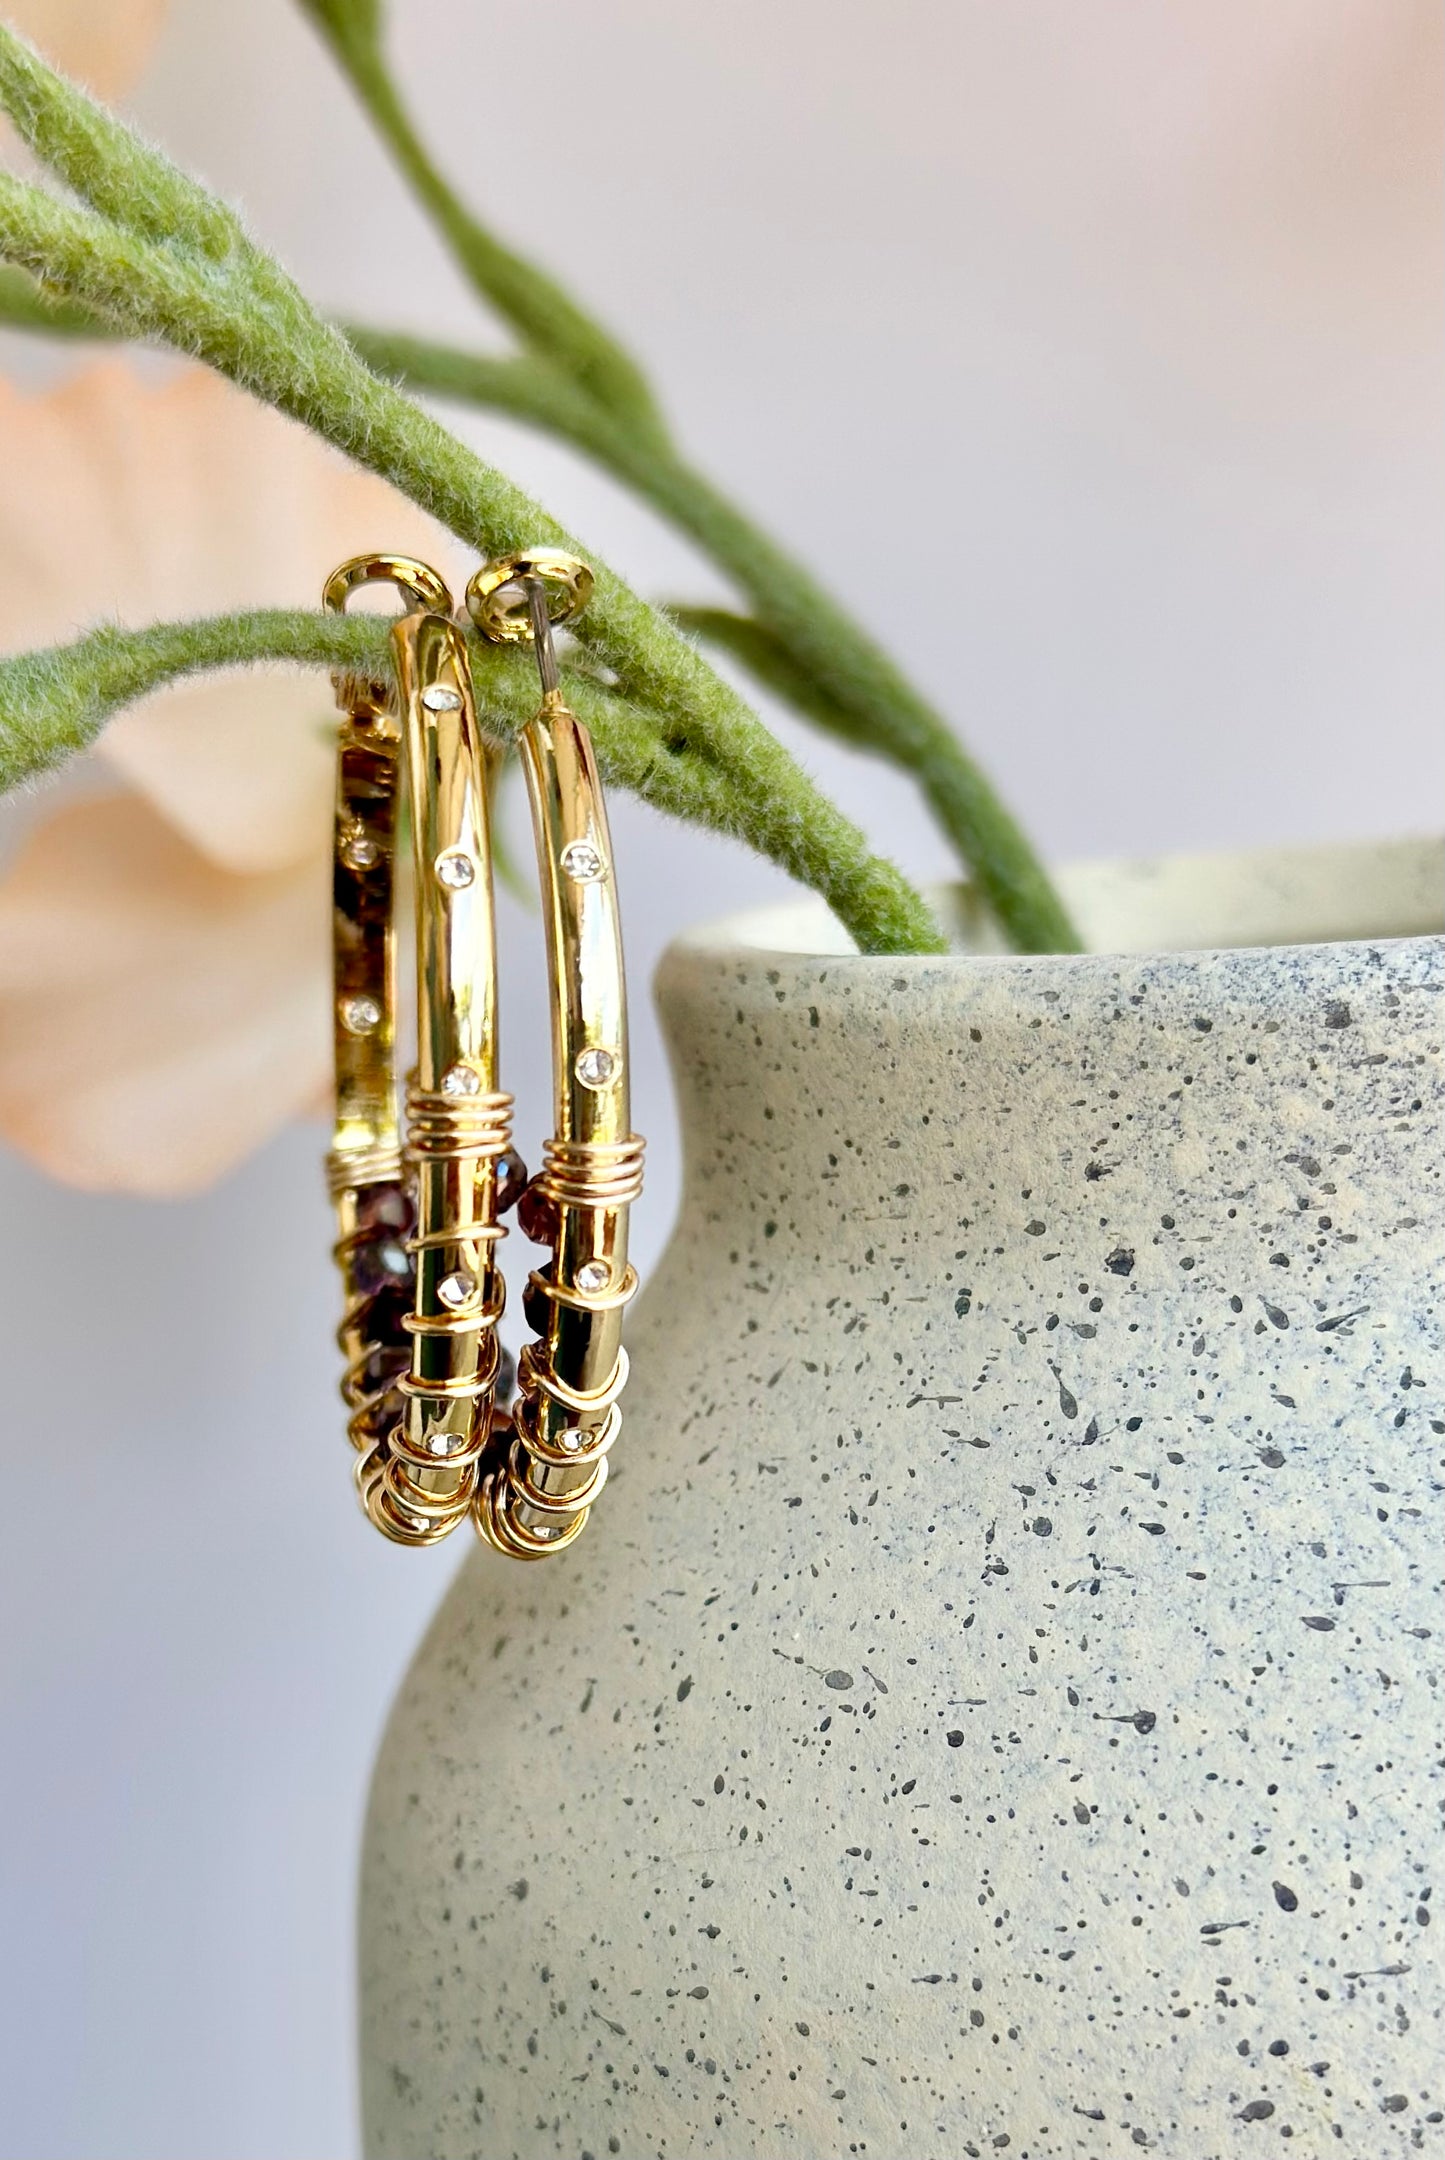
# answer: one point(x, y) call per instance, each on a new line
point(534, 1499)
point(417, 1223)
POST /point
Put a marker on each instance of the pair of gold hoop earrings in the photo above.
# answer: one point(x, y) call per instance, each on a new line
point(419, 1202)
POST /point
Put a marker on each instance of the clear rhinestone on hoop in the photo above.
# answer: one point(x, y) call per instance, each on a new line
point(594, 1068)
point(459, 1081)
point(359, 1015)
point(440, 697)
point(582, 861)
point(455, 1289)
point(445, 1443)
point(455, 870)
point(593, 1275)
point(573, 1440)
point(360, 852)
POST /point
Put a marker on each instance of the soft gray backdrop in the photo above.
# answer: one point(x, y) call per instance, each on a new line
point(1133, 321)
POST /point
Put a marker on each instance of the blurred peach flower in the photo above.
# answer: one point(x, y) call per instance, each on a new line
point(102, 43)
point(163, 948)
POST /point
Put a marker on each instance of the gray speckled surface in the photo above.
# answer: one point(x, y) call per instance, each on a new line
point(996, 1706)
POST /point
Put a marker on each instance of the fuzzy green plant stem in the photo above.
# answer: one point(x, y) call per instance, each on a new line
point(25, 304)
point(624, 431)
point(55, 702)
point(545, 317)
point(799, 662)
point(824, 660)
point(822, 641)
point(799, 641)
point(150, 250)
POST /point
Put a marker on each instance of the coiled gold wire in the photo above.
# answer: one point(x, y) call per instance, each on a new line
point(368, 1394)
point(419, 1424)
point(519, 1513)
point(534, 1497)
point(426, 1494)
point(592, 1174)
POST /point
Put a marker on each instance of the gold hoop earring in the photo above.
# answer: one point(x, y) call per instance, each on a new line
point(535, 1495)
point(417, 1222)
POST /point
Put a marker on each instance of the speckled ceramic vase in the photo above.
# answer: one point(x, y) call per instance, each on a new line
point(997, 1708)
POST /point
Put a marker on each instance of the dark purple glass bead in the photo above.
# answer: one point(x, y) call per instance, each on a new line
point(380, 1319)
point(537, 1216)
point(385, 1364)
point(511, 1180)
point(384, 1207)
point(536, 1309)
point(374, 1267)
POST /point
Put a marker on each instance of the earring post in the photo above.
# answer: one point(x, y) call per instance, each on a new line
point(546, 651)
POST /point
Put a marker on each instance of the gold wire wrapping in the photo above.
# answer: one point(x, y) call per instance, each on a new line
point(421, 1348)
point(592, 1175)
point(430, 1447)
point(535, 1494)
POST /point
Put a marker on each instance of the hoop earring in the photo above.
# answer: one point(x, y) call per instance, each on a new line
point(423, 1293)
point(535, 1496)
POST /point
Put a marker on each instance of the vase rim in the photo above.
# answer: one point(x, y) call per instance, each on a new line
point(1335, 893)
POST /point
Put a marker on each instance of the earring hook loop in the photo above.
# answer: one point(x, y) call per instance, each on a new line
point(417, 581)
point(519, 599)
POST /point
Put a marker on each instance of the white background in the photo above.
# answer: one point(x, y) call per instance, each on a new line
point(1129, 316)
